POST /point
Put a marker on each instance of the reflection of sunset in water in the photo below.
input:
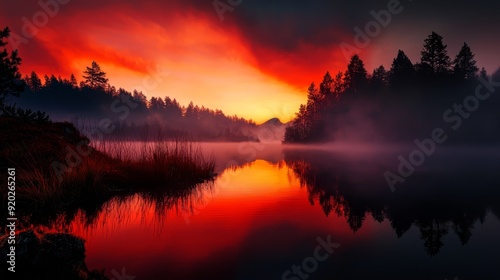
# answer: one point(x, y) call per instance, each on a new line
point(257, 197)
point(260, 217)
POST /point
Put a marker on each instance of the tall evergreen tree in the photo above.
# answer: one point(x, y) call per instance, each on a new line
point(314, 102)
point(435, 54)
point(10, 79)
point(95, 77)
point(35, 82)
point(313, 96)
point(189, 113)
point(156, 104)
point(73, 81)
point(465, 67)
point(46, 80)
point(379, 79)
point(355, 78)
point(338, 84)
point(402, 73)
point(325, 88)
point(312, 91)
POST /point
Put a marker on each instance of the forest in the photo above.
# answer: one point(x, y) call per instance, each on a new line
point(401, 103)
point(92, 100)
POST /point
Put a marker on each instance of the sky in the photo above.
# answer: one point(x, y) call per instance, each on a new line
point(253, 58)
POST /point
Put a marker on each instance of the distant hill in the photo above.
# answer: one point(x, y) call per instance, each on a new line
point(271, 130)
point(273, 121)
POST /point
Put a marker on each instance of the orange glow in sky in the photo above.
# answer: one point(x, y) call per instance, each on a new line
point(188, 56)
point(257, 63)
point(191, 59)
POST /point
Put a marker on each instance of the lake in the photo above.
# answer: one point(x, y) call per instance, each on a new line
point(322, 212)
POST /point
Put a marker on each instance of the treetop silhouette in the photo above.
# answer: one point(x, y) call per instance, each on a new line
point(435, 54)
point(355, 78)
point(402, 71)
point(465, 66)
point(95, 77)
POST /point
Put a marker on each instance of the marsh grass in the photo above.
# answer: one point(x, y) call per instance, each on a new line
point(39, 185)
point(111, 168)
point(160, 164)
point(150, 166)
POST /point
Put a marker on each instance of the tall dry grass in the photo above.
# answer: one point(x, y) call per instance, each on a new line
point(161, 163)
point(111, 167)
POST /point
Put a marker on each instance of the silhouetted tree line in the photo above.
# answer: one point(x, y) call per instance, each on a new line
point(93, 99)
point(392, 104)
point(130, 114)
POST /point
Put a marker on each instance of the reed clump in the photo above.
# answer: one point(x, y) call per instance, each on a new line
point(48, 173)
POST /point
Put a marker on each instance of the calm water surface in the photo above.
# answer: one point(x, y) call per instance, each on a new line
point(269, 205)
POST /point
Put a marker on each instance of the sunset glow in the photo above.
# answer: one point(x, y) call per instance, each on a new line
point(190, 57)
point(249, 139)
point(226, 65)
point(250, 202)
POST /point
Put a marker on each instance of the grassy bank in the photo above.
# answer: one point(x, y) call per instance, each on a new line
point(56, 165)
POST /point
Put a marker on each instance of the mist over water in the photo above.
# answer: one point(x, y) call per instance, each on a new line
point(363, 163)
point(270, 202)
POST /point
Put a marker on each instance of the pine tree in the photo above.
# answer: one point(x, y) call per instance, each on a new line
point(338, 84)
point(189, 113)
point(313, 97)
point(73, 81)
point(95, 77)
point(46, 80)
point(140, 98)
point(314, 100)
point(435, 54)
point(325, 88)
point(355, 78)
point(156, 104)
point(465, 67)
point(35, 82)
point(10, 79)
point(402, 72)
point(379, 79)
point(312, 91)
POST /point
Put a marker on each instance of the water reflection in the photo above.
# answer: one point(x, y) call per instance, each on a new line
point(436, 202)
point(260, 216)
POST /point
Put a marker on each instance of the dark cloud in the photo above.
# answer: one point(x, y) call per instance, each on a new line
point(283, 26)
